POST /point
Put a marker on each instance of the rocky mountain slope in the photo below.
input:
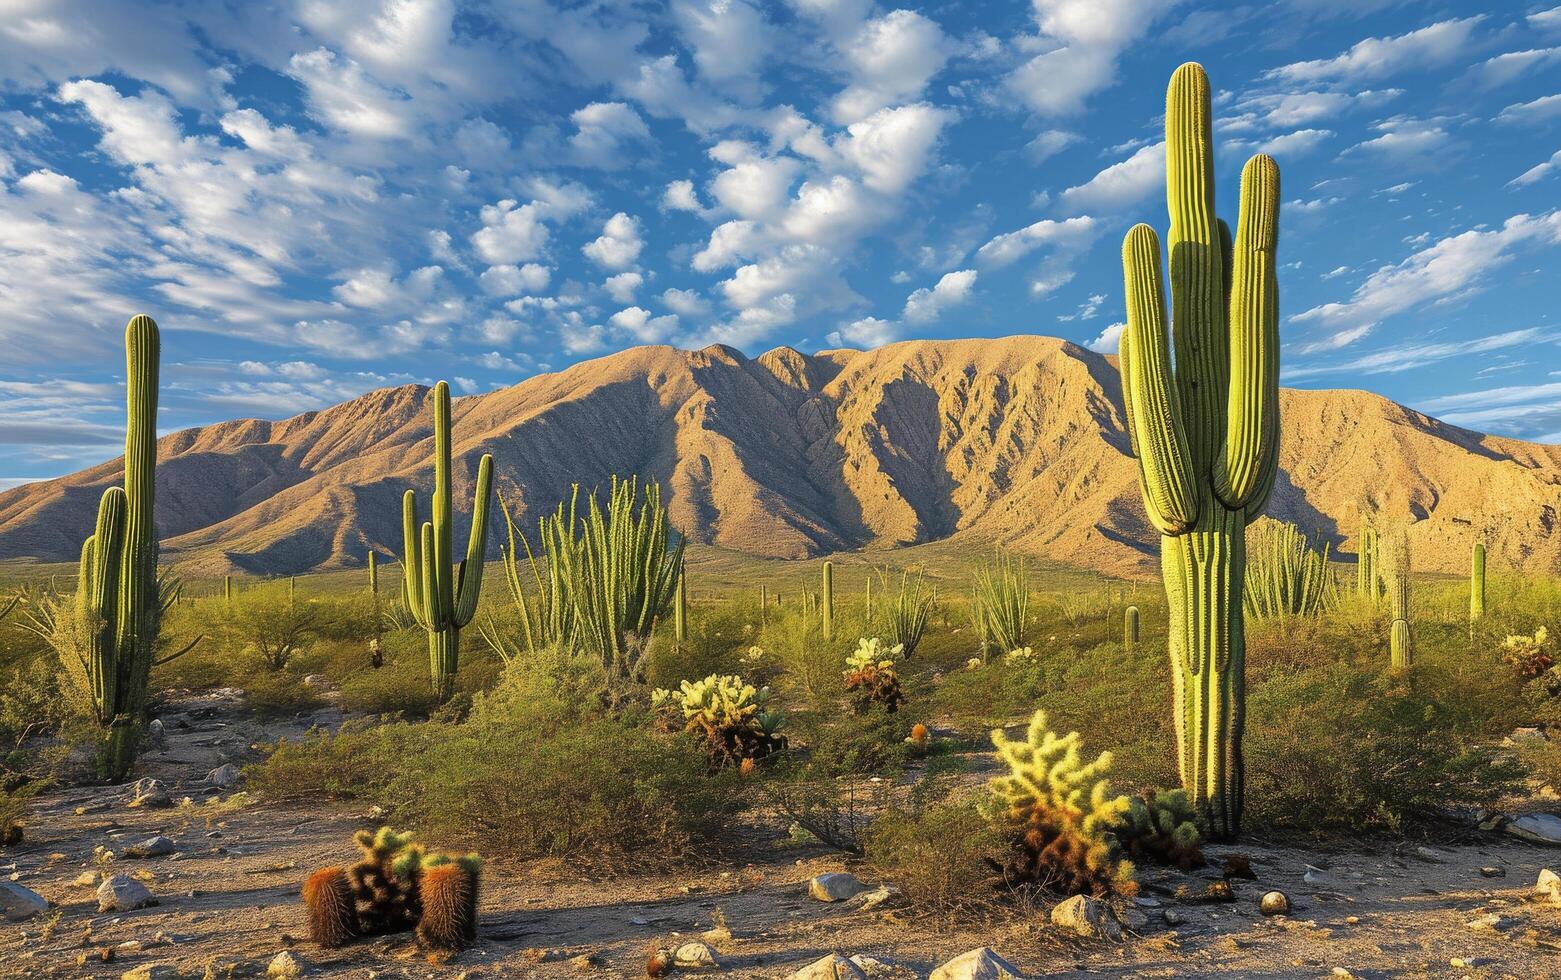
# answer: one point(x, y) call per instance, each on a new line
point(1017, 440)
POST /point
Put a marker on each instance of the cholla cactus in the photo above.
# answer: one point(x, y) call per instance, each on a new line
point(1529, 656)
point(733, 716)
point(1162, 828)
point(385, 881)
point(871, 677)
point(1059, 813)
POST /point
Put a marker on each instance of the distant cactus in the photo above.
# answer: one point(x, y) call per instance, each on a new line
point(449, 887)
point(871, 677)
point(227, 588)
point(1368, 565)
point(442, 601)
point(680, 609)
point(1477, 584)
point(1130, 628)
point(333, 915)
point(1205, 428)
point(733, 718)
point(829, 601)
point(1402, 640)
point(1285, 575)
point(373, 574)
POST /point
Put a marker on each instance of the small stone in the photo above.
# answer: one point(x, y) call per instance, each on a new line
point(978, 964)
point(1464, 962)
point(1239, 866)
point(149, 794)
point(151, 847)
point(1352, 920)
point(286, 965)
point(1172, 917)
point(883, 895)
point(695, 956)
point(1492, 871)
point(1538, 828)
point(87, 879)
point(1548, 887)
point(18, 902)
point(1274, 903)
point(155, 731)
point(836, 887)
point(225, 776)
point(1489, 922)
point(1216, 892)
point(1431, 855)
point(586, 962)
point(122, 893)
point(831, 967)
point(89, 808)
point(1342, 973)
point(1133, 919)
point(1087, 917)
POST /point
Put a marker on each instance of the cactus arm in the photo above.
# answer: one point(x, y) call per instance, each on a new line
point(1197, 277)
point(1251, 428)
point(413, 585)
point(1154, 409)
point(431, 620)
point(1123, 358)
point(470, 579)
point(443, 557)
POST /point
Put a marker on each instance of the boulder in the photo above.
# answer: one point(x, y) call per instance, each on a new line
point(831, 967)
point(286, 966)
point(151, 847)
point(1274, 903)
point(1085, 916)
point(122, 893)
point(18, 902)
point(695, 956)
point(835, 887)
point(1539, 828)
point(225, 776)
point(1548, 887)
point(978, 964)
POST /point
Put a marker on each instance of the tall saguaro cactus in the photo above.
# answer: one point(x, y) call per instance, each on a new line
point(680, 609)
point(441, 600)
point(1206, 428)
point(828, 600)
point(1477, 584)
point(373, 574)
point(1401, 640)
point(1368, 566)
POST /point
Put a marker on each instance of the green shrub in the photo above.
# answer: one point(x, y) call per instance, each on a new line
point(940, 854)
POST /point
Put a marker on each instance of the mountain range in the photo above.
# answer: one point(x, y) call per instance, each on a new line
point(1016, 440)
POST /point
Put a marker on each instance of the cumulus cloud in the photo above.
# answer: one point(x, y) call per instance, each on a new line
point(927, 305)
point(891, 60)
point(619, 245)
point(643, 326)
point(1109, 339)
point(623, 286)
point(1378, 57)
point(867, 332)
point(511, 232)
point(606, 134)
point(512, 280)
point(1082, 40)
point(1121, 184)
point(1539, 110)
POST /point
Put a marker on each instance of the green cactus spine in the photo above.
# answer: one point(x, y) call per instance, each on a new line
point(442, 599)
point(680, 609)
point(118, 594)
point(1205, 431)
point(1130, 627)
point(1401, 641)
point(1477, 584)
point(829, 600)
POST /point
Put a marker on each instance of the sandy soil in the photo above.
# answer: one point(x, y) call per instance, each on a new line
point(228, 897)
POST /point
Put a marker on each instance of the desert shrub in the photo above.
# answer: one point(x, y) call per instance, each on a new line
point(871, 678)
point(31, 703)
point(275, 693)
point(269, 623)
point(1529, 656)
point(1002, 601)
point(733, 720)
point(399, 687)
point(1350, 749)
point(856, 744)
point(939, 853)
point(1542, 758)
point(719, 638)
point(809, 666)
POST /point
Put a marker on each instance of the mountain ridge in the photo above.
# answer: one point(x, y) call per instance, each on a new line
point(1017, 440)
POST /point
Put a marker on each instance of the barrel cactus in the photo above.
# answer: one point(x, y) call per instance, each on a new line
point(442, 601)
point(1205, 429)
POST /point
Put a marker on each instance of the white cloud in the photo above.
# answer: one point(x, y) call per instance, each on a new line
point(1069, 235)
point(619, 245)
point(1509, 67)
point(1537, 172)
point(891, 147)
point(1082, 41)
point(680, 196)
point(1121, 184)
point(512, 280)
point(1404, 138)
point(865, 333)
point(342, 96)
point(730, 38)
point(686, 302)
point(1377, 57)
point(641, 325)
point(1109, 339)
point(927, 305)
point(1298, 143)
point(891, 60)
point(1050, 143)
point(1529, 113)
point(1413, 356)
point(623, 286)
point(604, 134)
point(1453, 267)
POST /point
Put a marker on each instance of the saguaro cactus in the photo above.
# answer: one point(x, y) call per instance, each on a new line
point(227, 589)
point(1368, 566)
point(680, 609)
point(828, 600)
point(1477, 584)
point(1401, 642)
point(373, 574)
point(118, 600)
point(1130, 627)
point(442, 602)
point(1206, 429)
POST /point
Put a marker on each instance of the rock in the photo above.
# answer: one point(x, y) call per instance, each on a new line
point(1522, 735)
point(1274, 903)
point(1548, 887)
point(1491, 821)
point(1239, 866)
point(1489, 922)
point(831, 967)
point(883, 895)
point(286, 965)
point(122, 893)
point(1214, 893)
point(1133, 919)
point(1084, 916)
point(1491, 871)
point(225, 776)
point(1539, 828)
point(1428, 854)
point(151, 847)
point(149, 794)
point(87, 879)
point(89, 808)
point(695, 956)
point(1172, 917)
point(155, 732)
point(978, 964)
point(150, 971)
point(835, 887)
point(18, 903)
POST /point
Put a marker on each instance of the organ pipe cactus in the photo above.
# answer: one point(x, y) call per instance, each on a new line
point(1205, 428)
point(1130, 627)
point(373, 574)
point(1477, 584)
point(1285, 575)
point(1401, 642)
point(442, 601)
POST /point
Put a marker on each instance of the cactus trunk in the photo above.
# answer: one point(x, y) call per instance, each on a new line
point(1204, 426)
point(444, 653)
point(1130, 627)
point(829, 600)
point(1477, 584)
point(1401, 640)
point(373, 574)
point(680, 610)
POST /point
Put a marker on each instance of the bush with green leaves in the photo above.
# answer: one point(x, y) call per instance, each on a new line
point(271, 624)
point(1002, 601)
point(908, 609)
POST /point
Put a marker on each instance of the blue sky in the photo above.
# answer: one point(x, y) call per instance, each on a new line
point(319, 198)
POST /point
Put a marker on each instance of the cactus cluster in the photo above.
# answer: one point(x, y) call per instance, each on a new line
point(871, 677)
point(733, 718)
point(441, 597)
point(1528, 656)
point(1204, 426)
point(1059, 814)
point(395, 885)
point(1162, 828)
point(1286, 576)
